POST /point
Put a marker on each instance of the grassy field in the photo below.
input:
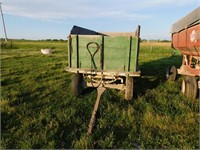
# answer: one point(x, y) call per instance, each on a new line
point(38, 110)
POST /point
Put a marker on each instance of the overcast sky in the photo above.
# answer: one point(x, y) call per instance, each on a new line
point(53, 19)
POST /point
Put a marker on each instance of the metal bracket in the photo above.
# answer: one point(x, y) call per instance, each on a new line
point(100, 91)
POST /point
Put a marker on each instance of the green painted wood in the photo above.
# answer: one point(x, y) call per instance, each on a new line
point(73, 52)
point(116, 53)
point(134, 54)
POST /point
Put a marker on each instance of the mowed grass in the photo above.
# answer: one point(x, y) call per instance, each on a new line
point(39, 111)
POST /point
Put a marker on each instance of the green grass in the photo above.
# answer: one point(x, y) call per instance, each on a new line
point(38, 110)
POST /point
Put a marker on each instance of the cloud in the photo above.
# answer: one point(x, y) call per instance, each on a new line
point(83, 9)
point(105, 15)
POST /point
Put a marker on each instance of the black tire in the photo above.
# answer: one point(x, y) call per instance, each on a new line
point(77, 84)
point(189, 87)
point(171, 73)
point(129, 88)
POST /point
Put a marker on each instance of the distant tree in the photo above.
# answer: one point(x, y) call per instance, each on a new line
point(144, 40)
point(153, 40)
point(165, 41)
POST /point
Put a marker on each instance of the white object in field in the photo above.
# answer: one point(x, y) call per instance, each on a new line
point(46, 51)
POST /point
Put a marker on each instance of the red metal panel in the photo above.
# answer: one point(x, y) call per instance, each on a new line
point(182, 39)
point(188, 41)
point(193, 37)
point(175, 40)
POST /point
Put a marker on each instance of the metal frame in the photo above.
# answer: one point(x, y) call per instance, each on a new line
point(108, 78)
point(106, 73)
point(190, 66)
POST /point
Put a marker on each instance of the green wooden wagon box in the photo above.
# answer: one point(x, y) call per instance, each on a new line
point(108, 60)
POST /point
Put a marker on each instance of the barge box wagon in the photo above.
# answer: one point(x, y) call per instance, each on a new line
point(186, 38)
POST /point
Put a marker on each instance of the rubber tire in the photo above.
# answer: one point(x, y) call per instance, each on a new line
point(77, 84)
point(189, 87)
point(129, 88)
point(171, 73)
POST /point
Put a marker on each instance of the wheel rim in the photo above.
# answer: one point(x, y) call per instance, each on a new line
point(171, 73)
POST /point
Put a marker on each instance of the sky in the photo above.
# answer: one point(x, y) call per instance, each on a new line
point(53, 19)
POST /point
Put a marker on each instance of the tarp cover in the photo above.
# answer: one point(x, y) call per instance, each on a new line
point(83, 31)
point(187, 21)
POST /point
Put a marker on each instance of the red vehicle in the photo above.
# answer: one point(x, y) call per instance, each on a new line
point(186, 38)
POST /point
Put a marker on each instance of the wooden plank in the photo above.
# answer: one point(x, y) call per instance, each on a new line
point(134, 54)
point(115, 56)
point(115, 53)
point(121, 34)
point(85, 58)
point(107, 73)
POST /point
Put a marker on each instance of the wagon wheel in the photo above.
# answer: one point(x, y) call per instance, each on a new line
point(171, 73)
point(129, 88)
point(77, 84)
point(189, 87)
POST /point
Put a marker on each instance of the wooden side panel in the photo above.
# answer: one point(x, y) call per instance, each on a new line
point(118, 53)
point(85, 61)
point(134, 54)
point(73, 52)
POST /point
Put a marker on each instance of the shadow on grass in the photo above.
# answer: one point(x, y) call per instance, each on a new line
point(88, 90)
point(153, 73)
